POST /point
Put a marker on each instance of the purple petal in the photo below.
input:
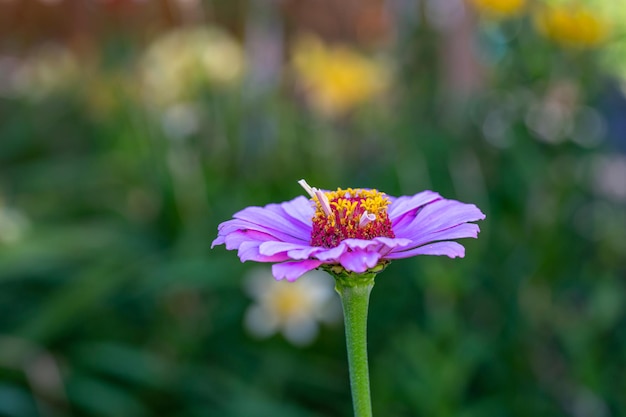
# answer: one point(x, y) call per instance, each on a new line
point(293, 270)
point(359, 243)
point(464, 230)
point(359, 261)
point(219, 240)
point(273, 217)
point(249, 251)
point(301, 209)
point(303, 253)
point(274, 247)
point(437, 216)
point(450, 249)
point(235, 239)
point(378, 244)
point(332, 254)
point(291, 250)
point(234, 225)
point(381, 245)
point(393, 242)
point(403, 205)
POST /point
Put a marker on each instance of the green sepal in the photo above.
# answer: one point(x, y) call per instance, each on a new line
point(347, 278)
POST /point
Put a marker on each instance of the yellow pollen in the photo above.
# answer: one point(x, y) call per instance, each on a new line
point(351, 213)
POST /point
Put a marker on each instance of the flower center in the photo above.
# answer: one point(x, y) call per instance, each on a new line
point(289, 301)
point(348, 214)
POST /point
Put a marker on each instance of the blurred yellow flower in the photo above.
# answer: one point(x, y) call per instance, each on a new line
point(336, 79)
point(499, 8)
point(572, 25)
point(177, 63)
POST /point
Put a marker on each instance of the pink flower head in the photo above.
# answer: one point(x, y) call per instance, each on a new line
point(356, 229)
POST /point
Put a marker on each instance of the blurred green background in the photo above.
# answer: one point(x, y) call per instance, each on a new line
point(129, 129)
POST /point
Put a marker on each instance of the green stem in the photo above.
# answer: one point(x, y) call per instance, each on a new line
point(354, 290)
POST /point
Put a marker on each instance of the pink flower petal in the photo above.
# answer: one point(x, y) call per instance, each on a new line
point(219, 240)
point(273, 217)
point(293, 270)
point(359, 261)
point(332, 254)
point(303, 253)
point(447, 213)
point(360, 243)
point(292, 250)
point(402, 205)
point(235, 239)
point(450, 249)
point(393, 242)
point(234, 225)
point(274, 247)
point(249, 251)
point(463, 230)
point(301, 209)
point(437, 216)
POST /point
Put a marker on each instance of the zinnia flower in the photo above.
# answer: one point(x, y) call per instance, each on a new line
point(355, 230)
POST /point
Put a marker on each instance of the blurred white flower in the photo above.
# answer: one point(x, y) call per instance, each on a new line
point(589, 127)
point(44, 71)
point(496, 128)
point(549, 123)
point(180, 120)
point(13, 225)
point(551, 119)
point(609, 176)
point(292, 308)
point(9, 66)
point(444, 15)
point(180, 61)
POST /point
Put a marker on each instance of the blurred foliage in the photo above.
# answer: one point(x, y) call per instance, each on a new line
point(113, 304)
